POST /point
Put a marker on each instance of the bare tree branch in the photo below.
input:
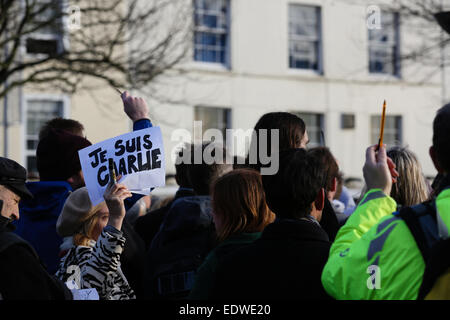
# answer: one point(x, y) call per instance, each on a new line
point(123, 43)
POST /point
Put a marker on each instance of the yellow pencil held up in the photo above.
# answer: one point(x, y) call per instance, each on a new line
point(383, 118)
point(112, 172)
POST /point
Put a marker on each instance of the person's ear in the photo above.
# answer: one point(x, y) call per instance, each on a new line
point(435, 160)
point(319, 202)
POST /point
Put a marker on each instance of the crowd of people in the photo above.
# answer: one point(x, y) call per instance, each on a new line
point(229, 232)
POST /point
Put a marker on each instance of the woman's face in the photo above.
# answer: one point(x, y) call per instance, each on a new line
point(103, 216)
point(305, 141)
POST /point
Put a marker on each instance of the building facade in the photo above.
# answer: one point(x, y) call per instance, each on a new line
point(320, 59)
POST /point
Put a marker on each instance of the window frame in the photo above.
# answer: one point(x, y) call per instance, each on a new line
point(203, 29)
point(228, 117)
point(62, 38)
point(321, 127)
point(398, 118)
point(38, 97)
point(319, 39)
point(391, 45)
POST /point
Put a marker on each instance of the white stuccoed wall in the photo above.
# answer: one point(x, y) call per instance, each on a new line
point(259, 81)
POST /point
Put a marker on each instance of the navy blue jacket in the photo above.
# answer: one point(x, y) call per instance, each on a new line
point(37, 222)
point(185, 238)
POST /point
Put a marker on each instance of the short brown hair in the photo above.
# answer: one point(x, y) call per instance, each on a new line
point(72, 126)
point(239, 199)
point(291, 128)
point(326, 158)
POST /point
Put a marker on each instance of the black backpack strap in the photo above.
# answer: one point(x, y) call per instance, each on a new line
point(421, 221)
point(439, 262)
point(411, 218)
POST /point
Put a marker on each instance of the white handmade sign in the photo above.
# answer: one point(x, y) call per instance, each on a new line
point(138, 156)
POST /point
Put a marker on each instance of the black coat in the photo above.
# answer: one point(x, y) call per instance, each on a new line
point(148, 226)
point(132, 258)
point(329, 222)
point(22, 275)
point(285, 263)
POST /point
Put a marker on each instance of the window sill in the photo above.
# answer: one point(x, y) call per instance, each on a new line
point(206, 66)
point(304, 73)
point(377, 77)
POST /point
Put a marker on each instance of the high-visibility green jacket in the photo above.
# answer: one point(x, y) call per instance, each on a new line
point(375, 255)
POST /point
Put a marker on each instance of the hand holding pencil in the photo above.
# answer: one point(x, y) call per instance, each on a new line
point(379, 170)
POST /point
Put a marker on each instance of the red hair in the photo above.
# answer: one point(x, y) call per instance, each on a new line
point(239, 200)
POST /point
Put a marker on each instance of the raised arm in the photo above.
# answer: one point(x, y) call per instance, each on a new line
point(137, 110)
point(104, 259)
point(348, 258)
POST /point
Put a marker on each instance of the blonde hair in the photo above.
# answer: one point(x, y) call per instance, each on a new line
point(84, 233)
point(411, 187)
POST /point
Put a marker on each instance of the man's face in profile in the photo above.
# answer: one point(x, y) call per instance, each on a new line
point(11, 201)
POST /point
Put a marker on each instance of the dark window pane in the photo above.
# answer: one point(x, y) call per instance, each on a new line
point(49, 47)
point(198, 37)
point(347, 121)
point(392, 130)
point(198, 19)
point(210, 21)
point(213, 118)
point(32, 144)
point(383, 47)
point(209, 39)
point(31, 164)
point(304, 37)
point(38, 113)
point(209, 56)
point(314, 125)
point(198, 55)
point(223, 40)
point(210, 15)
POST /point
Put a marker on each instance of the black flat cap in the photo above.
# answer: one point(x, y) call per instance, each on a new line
point(13, 176)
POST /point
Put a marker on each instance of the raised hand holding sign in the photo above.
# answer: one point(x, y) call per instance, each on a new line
point(138, 157)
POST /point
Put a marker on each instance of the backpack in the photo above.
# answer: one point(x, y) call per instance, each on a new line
point(421, 221)
point(185, 238)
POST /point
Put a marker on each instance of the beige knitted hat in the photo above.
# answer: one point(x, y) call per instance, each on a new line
point(77, 209)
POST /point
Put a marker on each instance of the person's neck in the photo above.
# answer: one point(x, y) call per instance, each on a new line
point(443, 183)
point(316, 214)
point(310, 218)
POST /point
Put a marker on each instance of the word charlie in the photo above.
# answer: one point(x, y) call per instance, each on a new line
point(134, 155)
